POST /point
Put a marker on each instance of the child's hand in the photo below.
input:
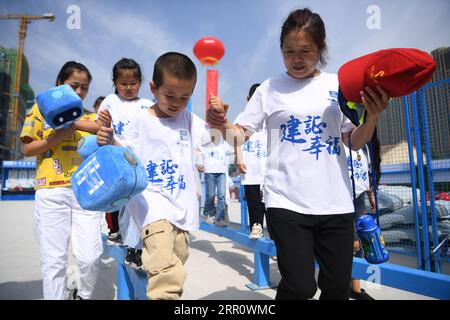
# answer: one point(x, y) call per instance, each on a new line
point(105, 118)
point(216, 103)
point(216, 115)
point(371, 200)
point(105, 136)
point(242, 168)
point(65, 133)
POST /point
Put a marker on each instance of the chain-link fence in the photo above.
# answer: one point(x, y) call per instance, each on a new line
point(415, 152)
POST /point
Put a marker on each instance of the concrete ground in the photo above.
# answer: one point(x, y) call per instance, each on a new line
point(217, 268)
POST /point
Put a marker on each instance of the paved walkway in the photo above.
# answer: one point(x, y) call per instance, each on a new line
point(217, 268)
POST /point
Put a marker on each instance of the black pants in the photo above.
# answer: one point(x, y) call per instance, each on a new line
point(112, 219)
point(299, 238)
point(256, 208)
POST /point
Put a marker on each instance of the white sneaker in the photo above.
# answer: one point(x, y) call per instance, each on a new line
point(257, 231)
point(72, 281)
point(209, 219)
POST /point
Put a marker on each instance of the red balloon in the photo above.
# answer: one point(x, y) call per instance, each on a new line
point(209, 50)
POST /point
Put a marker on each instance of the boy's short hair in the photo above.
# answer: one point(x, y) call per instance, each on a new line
point(175, 64)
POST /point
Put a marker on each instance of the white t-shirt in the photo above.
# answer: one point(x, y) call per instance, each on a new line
point(166, 148)
point(360, 170)
point(307, 167)
point(254, 156)
point(215, 158)
point(122, 112)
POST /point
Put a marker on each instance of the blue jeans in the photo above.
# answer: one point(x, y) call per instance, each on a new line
point(213, 180)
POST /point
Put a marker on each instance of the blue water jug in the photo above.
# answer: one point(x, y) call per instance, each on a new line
point(60, 106)
point(87, 145)
point(108, 178)
point(372, 241)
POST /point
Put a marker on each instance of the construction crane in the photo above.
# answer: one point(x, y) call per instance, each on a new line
point(24, 21)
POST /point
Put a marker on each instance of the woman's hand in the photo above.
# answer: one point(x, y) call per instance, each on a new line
point(374, 102)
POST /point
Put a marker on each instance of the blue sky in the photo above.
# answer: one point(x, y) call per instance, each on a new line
point(249, 29)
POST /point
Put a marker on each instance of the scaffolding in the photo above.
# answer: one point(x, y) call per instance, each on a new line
point(15, 94)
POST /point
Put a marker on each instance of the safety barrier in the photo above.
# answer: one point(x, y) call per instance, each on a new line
point(404, 278)
point(131, 284)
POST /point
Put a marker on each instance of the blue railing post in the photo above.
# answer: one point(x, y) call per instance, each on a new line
point(423, 197)
point(131, 284)
point(125, 289)
point(261, 274)
point(426, 139)
point(412, 168)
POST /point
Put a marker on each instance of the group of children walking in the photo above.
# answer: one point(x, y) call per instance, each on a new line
point(166, 137)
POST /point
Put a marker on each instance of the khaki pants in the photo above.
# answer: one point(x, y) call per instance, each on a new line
point(164, 252)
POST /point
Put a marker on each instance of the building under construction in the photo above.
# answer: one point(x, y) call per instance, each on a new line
point(392, 128)
point(10, 147)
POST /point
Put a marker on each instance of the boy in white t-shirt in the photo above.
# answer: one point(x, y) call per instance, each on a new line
point(165, 138)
